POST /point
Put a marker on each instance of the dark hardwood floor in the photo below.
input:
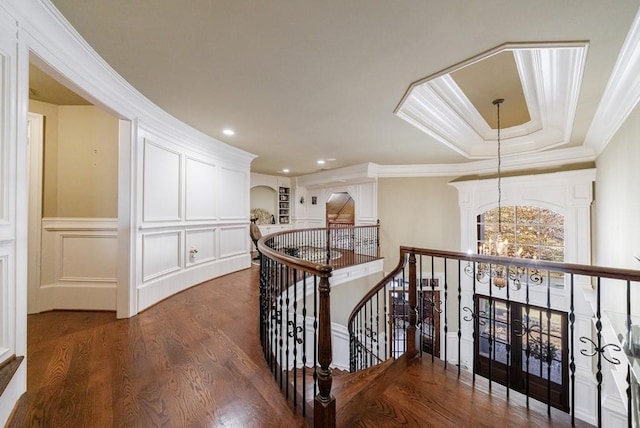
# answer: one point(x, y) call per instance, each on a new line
point(194, 360)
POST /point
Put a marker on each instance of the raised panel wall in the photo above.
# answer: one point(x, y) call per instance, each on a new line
point(234, 185)
point(160, 254)
point(196, 230)
point(78, 264)
point(87, 257)
point(233, 241)
point(161, 181)
point(200, 194)
point(204, 242)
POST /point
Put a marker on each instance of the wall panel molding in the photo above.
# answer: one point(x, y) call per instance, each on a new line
point(79, 264)
point(234, 241)
point(201, 181)
point(203, 241)
point(160, 254)
point(162, 183)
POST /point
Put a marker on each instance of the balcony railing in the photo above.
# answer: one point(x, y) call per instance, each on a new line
point(295, 308)
point(564, 334)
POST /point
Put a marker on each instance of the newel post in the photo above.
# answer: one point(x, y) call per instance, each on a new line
point(412, 348)
point(324, 409)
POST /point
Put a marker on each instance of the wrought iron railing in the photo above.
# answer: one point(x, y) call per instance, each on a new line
point(564, 334)
point(295, 309)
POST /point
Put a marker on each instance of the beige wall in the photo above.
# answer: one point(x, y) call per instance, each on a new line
point(421, 212)
point(616, 237)
point(80, 161)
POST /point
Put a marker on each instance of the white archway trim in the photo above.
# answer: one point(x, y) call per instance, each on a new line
point(568, 192)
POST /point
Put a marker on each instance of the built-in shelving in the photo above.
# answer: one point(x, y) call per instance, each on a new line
point(284, 201)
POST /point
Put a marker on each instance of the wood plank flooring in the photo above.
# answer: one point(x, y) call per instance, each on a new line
point(194, 360)
point(419, 393)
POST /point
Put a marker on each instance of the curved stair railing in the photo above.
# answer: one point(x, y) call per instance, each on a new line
point(372, 324)
point(471, 310)
point(295, 309)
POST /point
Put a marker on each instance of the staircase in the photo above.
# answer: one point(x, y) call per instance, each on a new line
point(497, 321)
point(414, 392)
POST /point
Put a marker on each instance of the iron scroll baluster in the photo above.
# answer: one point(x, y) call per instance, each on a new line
point(600, 350)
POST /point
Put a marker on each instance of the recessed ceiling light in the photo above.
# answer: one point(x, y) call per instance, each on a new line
point(228, 131)
point(331, 160)
point(320, 162)
point(286, 170)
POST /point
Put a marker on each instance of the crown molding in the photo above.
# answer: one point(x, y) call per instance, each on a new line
point(355, 174)
point(60, 49)
point(550, 73)
point(546, 159)
point(621, 94)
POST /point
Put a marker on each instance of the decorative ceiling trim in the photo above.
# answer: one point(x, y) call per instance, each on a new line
point(370, 172)
point(551, 74)
point(621, 95)
point(546, 159)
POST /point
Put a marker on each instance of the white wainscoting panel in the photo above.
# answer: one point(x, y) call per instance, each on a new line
point(161, 196)
point(234, 241)
point(367, 204)
point(160, 254)
point(78, 267)
point(88, 258)
point(201, 178)
point(233, 194)
point(204, 242)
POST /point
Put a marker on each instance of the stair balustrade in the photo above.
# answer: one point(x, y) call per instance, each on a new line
point(295, 309)
point(564, 334)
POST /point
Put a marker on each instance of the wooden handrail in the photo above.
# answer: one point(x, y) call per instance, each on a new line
point(319, 269)
point(576, 269)
point(541, 265)
point(375, 289)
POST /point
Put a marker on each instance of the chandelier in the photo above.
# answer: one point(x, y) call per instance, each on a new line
point(499, 275)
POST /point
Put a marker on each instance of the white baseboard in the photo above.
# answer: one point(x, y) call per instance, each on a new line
point(154, 291)
point(87, 296)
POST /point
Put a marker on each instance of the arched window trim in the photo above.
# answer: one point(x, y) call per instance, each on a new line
point(568, 193)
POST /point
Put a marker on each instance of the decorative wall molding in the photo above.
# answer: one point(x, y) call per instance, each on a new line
point(201, 178)
point(200, 246)
point(79, 264)
point(233, 194)
point(162, 183)
point(234, 241)
point(86, 257)
point(160, 254)
point(63, 224)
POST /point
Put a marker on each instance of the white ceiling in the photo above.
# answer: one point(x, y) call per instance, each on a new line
point(301, 81)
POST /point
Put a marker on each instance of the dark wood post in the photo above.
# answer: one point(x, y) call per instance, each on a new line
point(378, 239)
point(412, 348)
point(324, 409)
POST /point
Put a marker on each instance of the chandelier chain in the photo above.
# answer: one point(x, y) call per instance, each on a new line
point(497, 104)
